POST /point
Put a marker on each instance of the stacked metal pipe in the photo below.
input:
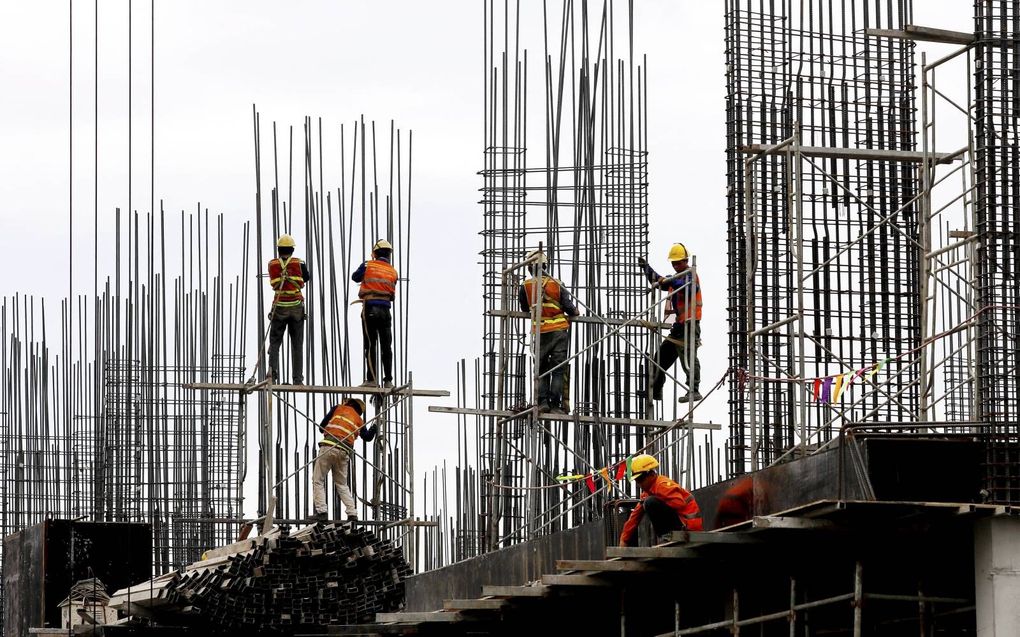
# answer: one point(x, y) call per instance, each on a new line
point(320, 575)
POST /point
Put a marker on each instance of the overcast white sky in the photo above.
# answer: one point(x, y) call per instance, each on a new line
point(416, 62)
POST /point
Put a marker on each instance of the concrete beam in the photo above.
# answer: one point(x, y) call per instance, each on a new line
point(997, 576)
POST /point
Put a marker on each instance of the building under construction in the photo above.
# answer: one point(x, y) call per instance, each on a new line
point(865, 479)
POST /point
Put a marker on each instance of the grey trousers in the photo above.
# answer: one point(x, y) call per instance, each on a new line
point(335, 460)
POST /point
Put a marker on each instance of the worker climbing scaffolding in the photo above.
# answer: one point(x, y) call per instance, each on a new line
point(341, 426)
point(287, 276)
point(684, 336)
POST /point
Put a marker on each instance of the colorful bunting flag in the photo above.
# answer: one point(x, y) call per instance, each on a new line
point(621, 470)
point(590, 481)
point(838, 389)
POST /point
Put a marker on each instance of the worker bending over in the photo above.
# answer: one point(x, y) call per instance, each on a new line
point(685, 335)
point(341, 426)
point(287, 276)
point(554, 327)
point(378, 282)
point(669, 506)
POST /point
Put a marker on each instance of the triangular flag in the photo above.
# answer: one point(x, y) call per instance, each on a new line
point(566, 478)
point(838, 389)
point(827, 389)
point(621, 470)
point(817, 390)
point(604, 472)
point(590, 481)
point(629, 472)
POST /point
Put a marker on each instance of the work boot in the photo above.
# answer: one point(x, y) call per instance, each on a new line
point(544, 407)
point(656, 393)
point(694, 396)
point(299, 381)
point(318, 516)
point(556, 409)
point(368, 383)
point(387, 384)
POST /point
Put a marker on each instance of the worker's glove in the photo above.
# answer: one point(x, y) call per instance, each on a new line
point(642, 262)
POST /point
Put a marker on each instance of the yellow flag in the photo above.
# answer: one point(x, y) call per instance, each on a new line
point(838, 389)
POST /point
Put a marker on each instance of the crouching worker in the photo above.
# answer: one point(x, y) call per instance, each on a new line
point(669, 506)
point(341, 426)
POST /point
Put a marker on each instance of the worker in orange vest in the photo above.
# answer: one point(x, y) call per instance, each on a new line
point(378, 289)
point(686, 331)
point(554, 327)
point(341, 426)
point(669, 506)
point(287, 276)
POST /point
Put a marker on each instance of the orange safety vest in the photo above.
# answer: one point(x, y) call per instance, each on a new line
point(683, 312)
point(553, 317)
point(343, 427)
point(678, 498)
point(380, 281)
point(286, 278)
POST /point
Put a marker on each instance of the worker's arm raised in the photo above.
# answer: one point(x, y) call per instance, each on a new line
point(359, 274)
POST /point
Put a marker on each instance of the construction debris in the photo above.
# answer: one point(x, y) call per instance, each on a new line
point(320, 575)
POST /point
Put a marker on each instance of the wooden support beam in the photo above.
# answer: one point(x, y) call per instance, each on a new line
point(515, 591)
point(924, 34)
point(592, 320)
point(588, 420)
point(785, 522)
point(319, 389)
point(474, 604)
point(607, 566)
point(878, 154)
point(660, 552)
point(575, 580)
point(419, 617)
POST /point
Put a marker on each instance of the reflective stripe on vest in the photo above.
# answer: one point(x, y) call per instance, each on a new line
point(343, 427)
point(287, 279)
point(380, 281)
point(684, 313)
point(553, 317)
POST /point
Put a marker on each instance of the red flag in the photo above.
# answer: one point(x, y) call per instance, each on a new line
point(818, 389)
point(590, 481)
point(621, 470)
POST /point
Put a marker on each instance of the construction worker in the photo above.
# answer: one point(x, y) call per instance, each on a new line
point(341, 426)
point(685, 334)
point(669, 506)
point(287, 276)
point(378, 282)
point(557, 306)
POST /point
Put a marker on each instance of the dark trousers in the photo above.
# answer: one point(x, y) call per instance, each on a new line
point(377, 328)
point(663, 517)
point(291, 320)
point(552, 351)
point(681, 337)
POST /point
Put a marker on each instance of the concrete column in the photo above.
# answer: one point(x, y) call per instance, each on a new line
point(997, 576)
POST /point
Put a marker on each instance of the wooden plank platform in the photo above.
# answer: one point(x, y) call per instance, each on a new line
point(608, 566)
point(319, 389)
point(661, 552)
point(474, 604)
point(588, 420)
point(575, 580)
point(419, 617)
point(515, 591)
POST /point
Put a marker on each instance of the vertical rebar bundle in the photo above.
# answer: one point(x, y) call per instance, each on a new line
point(824, 243)
point(997, 224)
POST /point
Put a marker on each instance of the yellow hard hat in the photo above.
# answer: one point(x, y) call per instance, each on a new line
point(382, 244)
point(357, 402)
point(285, 241)
point(642, 463)
point(678, 252)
